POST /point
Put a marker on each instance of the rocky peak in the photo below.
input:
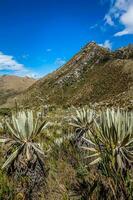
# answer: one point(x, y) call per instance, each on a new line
point(124, 52)
point(96, 53)
point(90, 44)
point(88, 57)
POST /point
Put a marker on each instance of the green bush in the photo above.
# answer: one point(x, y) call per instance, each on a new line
point(5, 111)
point(6, 188)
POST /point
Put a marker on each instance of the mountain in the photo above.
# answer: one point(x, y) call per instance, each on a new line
point(10, 86)
point(94, 74)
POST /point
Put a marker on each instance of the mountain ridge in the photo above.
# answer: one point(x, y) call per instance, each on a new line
point(11, 85)
point(94, 75)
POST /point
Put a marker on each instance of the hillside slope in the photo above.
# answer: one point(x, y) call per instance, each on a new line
point(93, 75)
point(10, 86)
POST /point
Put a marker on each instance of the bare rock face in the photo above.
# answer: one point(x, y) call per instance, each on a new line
point(93, 75)
point(89, 56)
point(124, 53)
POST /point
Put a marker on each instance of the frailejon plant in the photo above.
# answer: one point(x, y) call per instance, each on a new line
point(24, 154)
point(23, 130)
point(112, 135)
point(82, 120)
point(110, 147)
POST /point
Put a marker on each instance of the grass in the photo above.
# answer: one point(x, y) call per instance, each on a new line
point(69, 175)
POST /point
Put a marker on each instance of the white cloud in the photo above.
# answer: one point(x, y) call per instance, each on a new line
point(122, 5)
point(127, 20)
point(109, 20)
point(25, 56)
point(93, 26)
point(26, 72)
point(106, 44)
point(9, 63)
point(48, 50)
point(60, 61)
point(121, 11)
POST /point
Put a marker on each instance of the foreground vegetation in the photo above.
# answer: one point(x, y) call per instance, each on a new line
point(76, 154)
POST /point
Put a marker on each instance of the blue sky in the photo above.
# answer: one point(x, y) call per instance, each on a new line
point(38, 36)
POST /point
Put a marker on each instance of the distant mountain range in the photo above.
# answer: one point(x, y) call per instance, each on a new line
point(10, 86)
point(94, 74)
